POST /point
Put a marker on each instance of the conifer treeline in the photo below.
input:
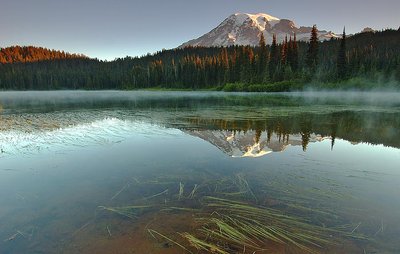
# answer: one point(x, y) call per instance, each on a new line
point(17, 54)
point(275, 67)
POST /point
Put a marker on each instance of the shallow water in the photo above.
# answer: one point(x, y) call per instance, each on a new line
point(330, 158)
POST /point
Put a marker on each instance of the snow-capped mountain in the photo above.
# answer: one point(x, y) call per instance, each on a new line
point(245, 29)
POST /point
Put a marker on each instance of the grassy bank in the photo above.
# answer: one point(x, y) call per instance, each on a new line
point(299, 85)
point(359, 84)
point(159, 88)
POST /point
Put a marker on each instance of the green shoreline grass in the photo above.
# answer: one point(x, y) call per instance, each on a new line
point(296, 85)
point(359, 84)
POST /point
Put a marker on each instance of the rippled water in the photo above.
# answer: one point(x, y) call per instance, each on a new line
point(70, 160)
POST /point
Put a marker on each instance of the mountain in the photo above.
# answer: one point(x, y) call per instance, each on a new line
point(245, 29)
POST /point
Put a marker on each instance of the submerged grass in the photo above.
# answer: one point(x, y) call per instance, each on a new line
point(153, 232)
point(191, 195)
point(203, 245)
point(253, 225)
point(131, 212)
point(229, 219)
point(156, 195)
point(181, 189)
point(244, 186)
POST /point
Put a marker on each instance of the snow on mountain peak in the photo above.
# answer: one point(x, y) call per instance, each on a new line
point(258, 20)
point(256, 16)
point(262, 16)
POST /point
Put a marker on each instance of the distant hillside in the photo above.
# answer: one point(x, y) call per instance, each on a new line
point(18, 54)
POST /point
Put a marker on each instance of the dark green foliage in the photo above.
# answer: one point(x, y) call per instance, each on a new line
point(312, 53)
point(262, 58)
point(293, 54)
point(274, 59)
point(284, 52)
point(281, 86)
point(362, 60)
point(341, 59)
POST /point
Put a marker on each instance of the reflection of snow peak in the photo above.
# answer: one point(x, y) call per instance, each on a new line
point(255, 151)
point(100, 132)
point(250, 143)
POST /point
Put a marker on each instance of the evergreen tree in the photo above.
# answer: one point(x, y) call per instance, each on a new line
point(341, 58)
point(284, 52)
point(289, 51)
point(223, 61)
point(294, 59)
point(262, 57)
point(247, 73)
point(274, 57)
point(312, 54)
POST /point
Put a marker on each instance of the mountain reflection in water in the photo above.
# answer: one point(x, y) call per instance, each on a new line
point(240, 125)
point(255, 138)
point(252, 143)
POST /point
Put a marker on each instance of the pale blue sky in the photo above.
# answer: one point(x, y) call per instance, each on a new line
point(109, 29)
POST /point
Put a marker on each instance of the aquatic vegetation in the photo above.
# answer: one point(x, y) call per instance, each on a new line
point(14, 236)
point(229, 219)
point(180, 194)
point(153, 232)
point(131, 212)
point(157, 195)
point(191, 195)
point(202, 245)
point(121, 190)
point(243, 186)
point(173, 208)
point(245, 224)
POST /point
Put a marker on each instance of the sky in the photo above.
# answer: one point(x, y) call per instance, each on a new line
point(118, 28)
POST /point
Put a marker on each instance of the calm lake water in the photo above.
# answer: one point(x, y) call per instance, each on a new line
point(199, 172)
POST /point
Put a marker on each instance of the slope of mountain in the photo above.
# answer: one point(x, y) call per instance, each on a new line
point(245, 29)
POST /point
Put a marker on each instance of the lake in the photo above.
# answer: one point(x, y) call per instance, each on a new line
point(199, 172)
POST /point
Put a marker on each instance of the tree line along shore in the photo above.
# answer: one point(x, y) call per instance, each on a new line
point(369, 60)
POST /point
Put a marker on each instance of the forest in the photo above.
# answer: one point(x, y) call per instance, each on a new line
point(363, 61)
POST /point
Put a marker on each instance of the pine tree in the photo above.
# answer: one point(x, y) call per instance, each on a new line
point(295, 55)
point(290, 51)
point(312, 54)
point(284, 52)
point(341, 58)
point(262, 57)
point(274, 57)
point(246, 72)
point(223, 60)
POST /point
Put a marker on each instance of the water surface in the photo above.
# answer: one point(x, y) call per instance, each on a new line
point(70, 161)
